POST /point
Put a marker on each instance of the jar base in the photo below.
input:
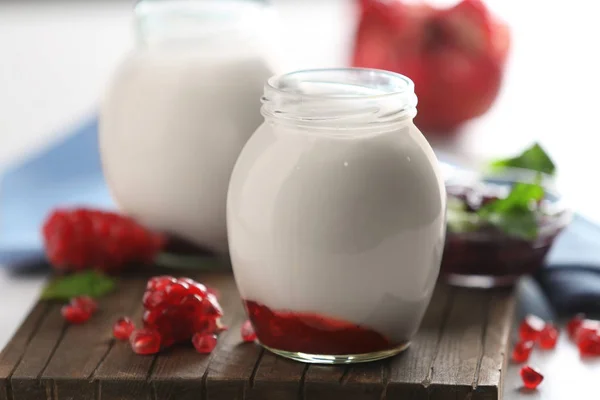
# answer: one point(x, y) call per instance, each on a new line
point(481, 281)
point(339, 358)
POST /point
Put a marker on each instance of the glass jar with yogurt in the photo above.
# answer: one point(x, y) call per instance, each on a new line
point(336, 217)
point(179, 110)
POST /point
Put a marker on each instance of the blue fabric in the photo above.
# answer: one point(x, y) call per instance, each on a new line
point(69, 173)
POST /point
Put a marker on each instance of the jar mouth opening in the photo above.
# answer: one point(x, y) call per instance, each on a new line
point(341, 83)
point(159, 20)
point(340, 98)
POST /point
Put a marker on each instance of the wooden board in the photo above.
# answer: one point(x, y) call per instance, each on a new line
point(459, 353)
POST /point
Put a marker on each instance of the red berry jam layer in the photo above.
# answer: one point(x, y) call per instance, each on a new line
point(313, 333)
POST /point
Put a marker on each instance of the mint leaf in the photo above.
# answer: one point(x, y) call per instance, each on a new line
point(515, 214)
point(88, 283)
point(534, 158)
point(458, 218)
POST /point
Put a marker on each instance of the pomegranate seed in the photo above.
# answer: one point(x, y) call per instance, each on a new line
point(531, 327)
point(122, 328)
point(85, 302)
point(589, 344)
point(150, 316)
point(531, 377)
point(154, 299)
point(209, 325)
point(192, 304)
point(175, 292)
point(160, 282)
point(587, 327)
point(204, 343)
point(145, 341)
point(211, 307)
point(522, 351)
point(198, 289)
point(75, 314)
point(574, 324)
point(247, 331)
point(548, 337)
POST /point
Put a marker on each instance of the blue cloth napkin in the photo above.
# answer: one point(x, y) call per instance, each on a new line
point(69, 173)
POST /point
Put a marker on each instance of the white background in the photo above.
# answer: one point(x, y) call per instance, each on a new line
point(56, 57)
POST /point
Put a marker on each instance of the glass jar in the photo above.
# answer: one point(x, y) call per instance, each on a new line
point(179, 110)
point(336, 217)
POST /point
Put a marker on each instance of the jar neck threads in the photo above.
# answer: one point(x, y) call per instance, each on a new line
point(344, 98)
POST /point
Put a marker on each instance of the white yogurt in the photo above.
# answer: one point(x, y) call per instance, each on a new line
point(347, 224)
point(176, 116)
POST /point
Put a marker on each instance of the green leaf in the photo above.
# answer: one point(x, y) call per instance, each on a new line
point(88, 283)
point(534, 158)
point(459, 219)
point(515, 214)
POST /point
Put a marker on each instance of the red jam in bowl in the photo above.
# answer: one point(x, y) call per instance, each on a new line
point(480, 254)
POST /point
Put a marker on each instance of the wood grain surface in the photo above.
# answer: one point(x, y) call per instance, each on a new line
point(459, 353)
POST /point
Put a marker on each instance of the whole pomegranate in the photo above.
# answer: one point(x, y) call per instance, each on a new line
point(455, 56)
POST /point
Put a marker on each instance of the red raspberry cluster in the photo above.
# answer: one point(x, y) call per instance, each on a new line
point(585, 333)
point(81, 238)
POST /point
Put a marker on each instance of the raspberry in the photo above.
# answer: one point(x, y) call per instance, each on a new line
point(122, 328)
point(204, 343)
point(145, 341)
point(247, 331)
point(85, 302)
point(81, 238)
point(531, 377)
point(75, 314)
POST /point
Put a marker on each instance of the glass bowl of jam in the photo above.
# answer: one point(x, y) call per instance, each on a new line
point(501, 225)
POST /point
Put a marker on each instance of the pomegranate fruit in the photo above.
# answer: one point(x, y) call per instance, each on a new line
point(82, 238)
point(455, 56)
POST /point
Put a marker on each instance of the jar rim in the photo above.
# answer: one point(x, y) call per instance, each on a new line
point(348, 98)
point(403, 84)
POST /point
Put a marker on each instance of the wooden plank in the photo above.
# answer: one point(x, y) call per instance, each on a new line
point(319, 379)
point(123, 374)
point(179, 374)
point(14, 350)
point(495, 349)
point(232, 366)
point(83, 347)
point(456, 367)
point(25, 380)
point(410, 372)
point(277, 378)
